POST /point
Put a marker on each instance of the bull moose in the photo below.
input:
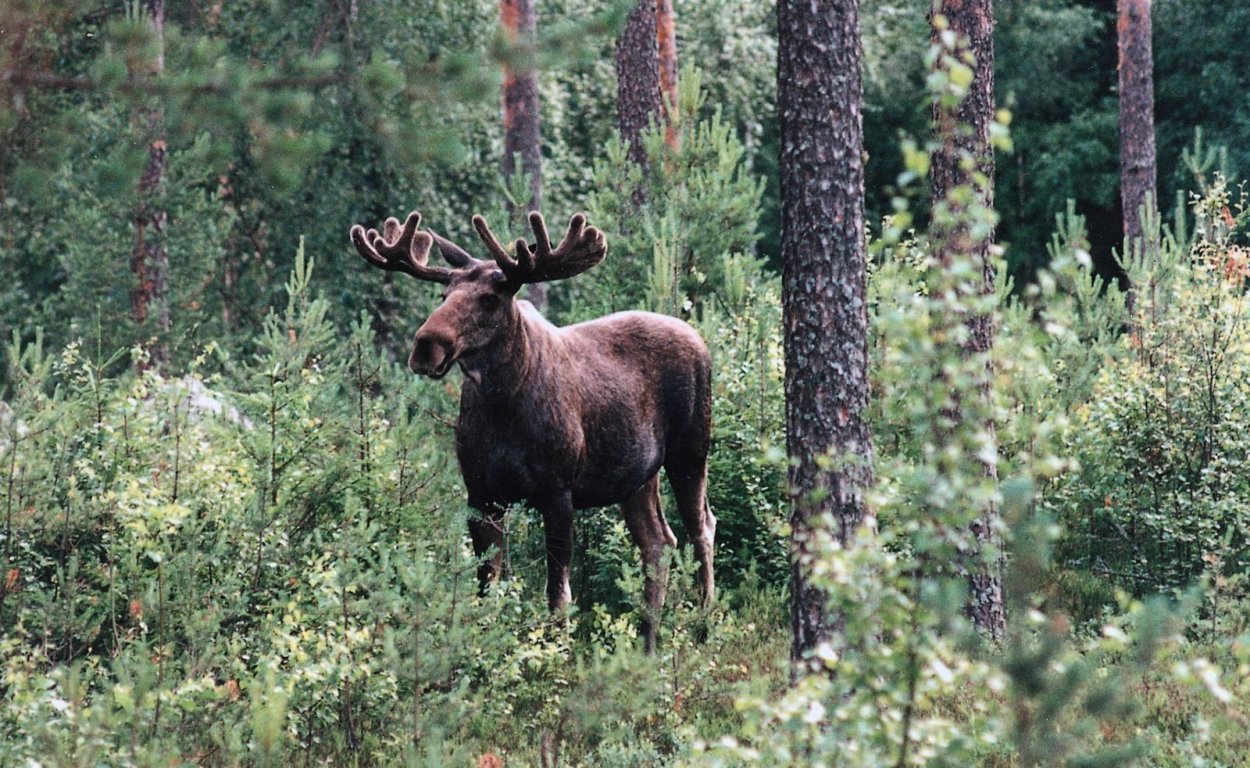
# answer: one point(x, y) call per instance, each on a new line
point(561, 418)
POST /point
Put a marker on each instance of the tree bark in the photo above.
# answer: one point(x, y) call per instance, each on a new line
point(1137, 104)
point(149, 259)
point(666, 43)
point(819, 103)
point(965, 133)
point(637, 78)
point(522, 119)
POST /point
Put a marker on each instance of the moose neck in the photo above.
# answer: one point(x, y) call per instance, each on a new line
point(510, 367)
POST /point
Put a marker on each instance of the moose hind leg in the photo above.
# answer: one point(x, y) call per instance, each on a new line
point(646, 524)
point(689, 481)
point(486, 531)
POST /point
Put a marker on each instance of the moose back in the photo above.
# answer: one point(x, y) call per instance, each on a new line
point(561, 418)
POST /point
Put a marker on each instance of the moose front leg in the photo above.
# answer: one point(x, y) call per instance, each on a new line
point(557, 515)
point(486, 531)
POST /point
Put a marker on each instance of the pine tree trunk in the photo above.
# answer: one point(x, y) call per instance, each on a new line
point(965, 132)
point(666, 42)
point(1137, 104)
point(637, 78)
point(149, 259)
point(521, 120)
point(819, 101)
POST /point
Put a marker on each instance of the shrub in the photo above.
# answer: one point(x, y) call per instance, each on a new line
point(1160, 498)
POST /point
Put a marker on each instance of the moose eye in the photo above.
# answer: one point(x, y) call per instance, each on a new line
point(488, 302)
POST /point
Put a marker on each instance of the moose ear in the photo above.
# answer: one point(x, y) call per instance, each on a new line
point(452, 253)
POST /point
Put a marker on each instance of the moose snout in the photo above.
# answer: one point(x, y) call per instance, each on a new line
point(432, 354)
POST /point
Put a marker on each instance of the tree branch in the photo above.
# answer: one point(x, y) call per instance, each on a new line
point(27, 79)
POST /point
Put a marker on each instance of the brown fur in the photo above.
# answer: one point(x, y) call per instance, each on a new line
point(568, 418)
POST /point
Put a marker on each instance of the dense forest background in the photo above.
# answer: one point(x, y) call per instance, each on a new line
point(398, 108)
point(233, 528)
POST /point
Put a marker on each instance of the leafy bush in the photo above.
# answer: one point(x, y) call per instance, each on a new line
point(1160, 498)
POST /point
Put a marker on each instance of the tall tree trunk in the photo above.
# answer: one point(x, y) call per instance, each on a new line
point(637, 78)
point(1137, 105)
point(819, 102)
point(521, 118)
point(965, 133)
point(149, 259)
point(666, 42)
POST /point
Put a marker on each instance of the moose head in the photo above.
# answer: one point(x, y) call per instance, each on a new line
point(477, 312)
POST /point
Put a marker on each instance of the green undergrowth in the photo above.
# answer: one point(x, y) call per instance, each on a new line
point(268, 564)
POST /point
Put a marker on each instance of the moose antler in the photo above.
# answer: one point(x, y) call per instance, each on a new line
point(400, 249)
point(582, 248)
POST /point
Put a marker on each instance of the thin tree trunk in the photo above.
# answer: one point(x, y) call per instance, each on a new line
point(637, 78)
point(965, 133)
point(1137, 104)
point(819, 102)
point(522, 118)
point(149, 259)
point(666, 43)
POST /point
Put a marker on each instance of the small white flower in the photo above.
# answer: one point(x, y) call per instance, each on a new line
point(942, 671)
point(1112, 632)
point(815, 713)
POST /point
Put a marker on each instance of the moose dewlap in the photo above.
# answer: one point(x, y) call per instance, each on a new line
point(561, 418)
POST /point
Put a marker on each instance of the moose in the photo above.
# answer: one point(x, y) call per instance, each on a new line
point(561, 418)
